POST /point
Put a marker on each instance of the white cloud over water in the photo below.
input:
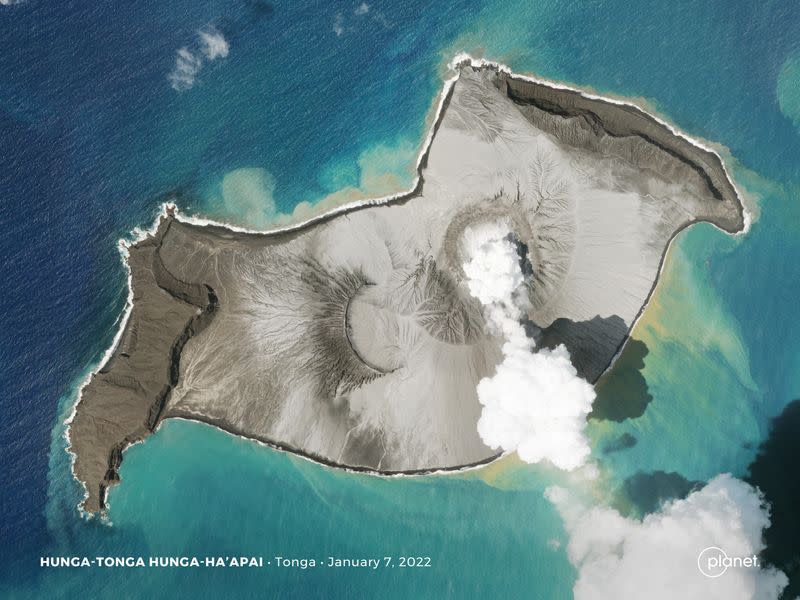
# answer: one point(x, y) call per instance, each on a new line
point(187, 66)
point(535, 403)
point(363, 14)
point(214, 44)
point(189, 62)
point(338, 24)
point(657, 557)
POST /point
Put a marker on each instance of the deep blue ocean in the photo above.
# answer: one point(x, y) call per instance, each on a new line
point(317, 97)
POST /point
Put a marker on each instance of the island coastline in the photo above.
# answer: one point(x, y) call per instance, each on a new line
point(169, 212)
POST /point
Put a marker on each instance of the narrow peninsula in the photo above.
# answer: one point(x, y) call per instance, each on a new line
point(352, 339)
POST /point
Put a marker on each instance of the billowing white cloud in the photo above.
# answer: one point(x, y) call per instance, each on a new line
point(659, 556)
point(535, 404)
point(362, 9)
point(188, 63)
point(214, 44)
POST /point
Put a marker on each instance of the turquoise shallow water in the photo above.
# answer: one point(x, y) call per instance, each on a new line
point(211, 494)
point(722, 334)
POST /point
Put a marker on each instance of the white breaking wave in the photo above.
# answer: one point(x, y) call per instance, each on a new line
point(659, 557)
point(535, 404)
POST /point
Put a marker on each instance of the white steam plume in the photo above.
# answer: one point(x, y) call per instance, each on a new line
point(535, 404)
point(659, 557)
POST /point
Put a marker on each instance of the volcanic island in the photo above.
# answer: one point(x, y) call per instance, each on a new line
point(351, 339)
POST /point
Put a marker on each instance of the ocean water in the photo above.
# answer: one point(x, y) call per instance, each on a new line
point(314, 98)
